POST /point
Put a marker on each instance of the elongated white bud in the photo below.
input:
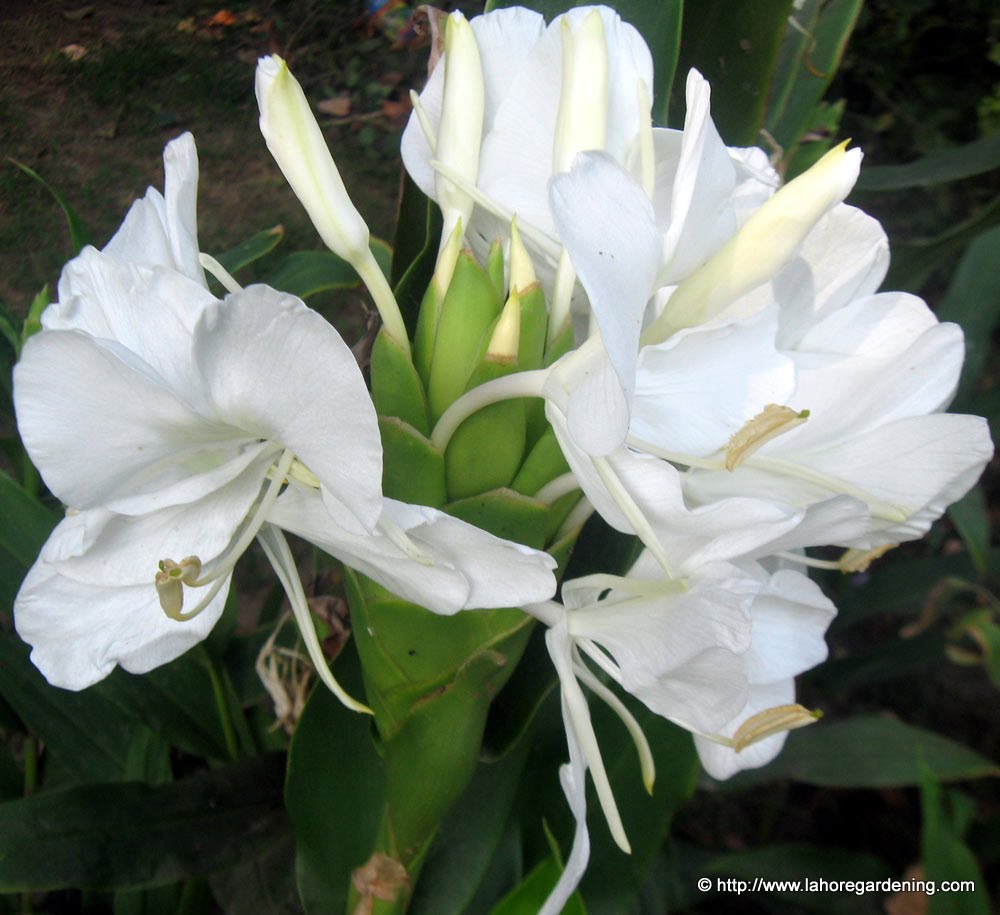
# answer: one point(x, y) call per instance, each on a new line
point(296, 142)
point(767, 241)
point(582, 121)
point(460, 131)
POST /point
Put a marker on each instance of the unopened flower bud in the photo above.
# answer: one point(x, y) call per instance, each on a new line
point(582, 121)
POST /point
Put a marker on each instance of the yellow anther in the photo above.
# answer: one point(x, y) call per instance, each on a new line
point(170, 581)
point(772, 721)
point(858, 560)
point(772, 421)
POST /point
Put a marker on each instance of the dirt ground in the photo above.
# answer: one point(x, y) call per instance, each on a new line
point(89, 95)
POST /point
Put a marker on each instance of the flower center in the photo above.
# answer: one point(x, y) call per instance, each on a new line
point(173, 576)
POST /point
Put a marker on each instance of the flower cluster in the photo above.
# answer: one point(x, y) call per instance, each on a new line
point(736, 390)
point(635, 321)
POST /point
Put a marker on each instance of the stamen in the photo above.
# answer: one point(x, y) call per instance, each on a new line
point(219, 272)
point(577, 713)
point(772, 421)
point(646, 764)
point(557, 488)
point(575, 520)
point(640, 524)
point(506, 387)
point(280, 556)
point(171, 578)
point(398, 537)
point(855, 560)
point(426, 128)
point(772, 721)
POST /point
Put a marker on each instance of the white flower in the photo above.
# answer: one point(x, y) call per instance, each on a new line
point(524, 138)
point(178, 455)
point(874, 375)
point(715, 650)
point(169, 421)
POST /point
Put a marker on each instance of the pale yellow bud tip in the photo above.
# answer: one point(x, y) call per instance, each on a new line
point(505, 342)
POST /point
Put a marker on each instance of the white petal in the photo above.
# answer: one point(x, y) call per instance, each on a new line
point(94, 425)
point(126, 550)
point(701, 694)
point(279, 371)
point(721, 762)
point(790, 618)
point(921, 464)
point(161, 230)
point(701, 214)
point(845, 256)
point(650, 637)
point(606, 222)
point(697, 389)
point(150, 312)
point(504, 37)
point(467, 568)
point(79, 632)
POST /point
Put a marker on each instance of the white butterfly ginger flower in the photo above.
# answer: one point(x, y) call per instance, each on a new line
point(714, 650)
point(169, 422)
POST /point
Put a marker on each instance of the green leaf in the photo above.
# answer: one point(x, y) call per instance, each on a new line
point(134, 835)
point(418, 231)
point(973, 301)
point(735, 46)
point(334, 792)
point(254, 248)
point(614, 879)
point(970, 517)
point(87, 733)
point(945, 855)
point(868, 752)
point(659, 24)
point(811, 50)
point(781, 863)
point(528, 897)
point(914, 262)
point(33, 321)
point(468, 838)
point(178, 700)
point(263, 884)
point(307, 273)
point(79, 236)
point(27, 525)
point(976, 158)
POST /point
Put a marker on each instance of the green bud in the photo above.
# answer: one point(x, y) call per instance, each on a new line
point(487, 449)
point(464, 324)
point(412, 468)
point(543, 464)
point(396, 386)
point(494, 267)
point(534, 326)
point(430, 306)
